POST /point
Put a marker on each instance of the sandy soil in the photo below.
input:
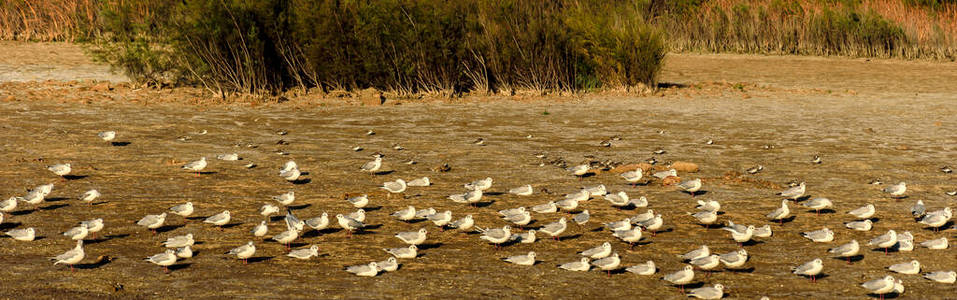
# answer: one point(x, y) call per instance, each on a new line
point(868, 119)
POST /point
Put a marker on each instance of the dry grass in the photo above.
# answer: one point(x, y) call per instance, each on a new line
point(54, 20)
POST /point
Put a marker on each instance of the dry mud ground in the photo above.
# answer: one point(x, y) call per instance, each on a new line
point(890, 120)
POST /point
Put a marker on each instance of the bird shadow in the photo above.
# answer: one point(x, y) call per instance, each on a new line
point(745, 270)
point(587, 175)
point(329, 230)
point(98, 203)
point(571, 237)
point(230, 225)
point(10, 225)
point(694, 285)
point(942, 227)
point(372, 208)
point(195, 218)
point(889, 250)
point(94, 265)
point(56, 199)
point(276, 218)
point(429, 245)
point(167, 228)
point(697, 193)
point(786, 220)
point(301, 181)
point(298, 207)
point(23, 212)
point(493, 193)
point(297, 245)
point(311, 233)
point(752, 243)
point(372, 226)
point(384, 172)
point(823, 211)
point(119, 144)
point(363, 231)
point(106, 238)
point(207, 173)
point(259, 259)
point(802, 198)
point(180, 266)
point(892, 295)
point(55, 206)
point(484, 204)
point(74, 177)
point(854, 258)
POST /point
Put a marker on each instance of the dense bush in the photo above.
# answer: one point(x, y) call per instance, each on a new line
point(404, 46)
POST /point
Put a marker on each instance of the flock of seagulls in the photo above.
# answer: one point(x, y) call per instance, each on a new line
point(514, 226)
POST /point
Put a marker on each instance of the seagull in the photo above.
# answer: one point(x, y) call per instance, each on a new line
point(8, 205)
point(691, 186)
point(880, 286)
point(34, 197)
point(734, 259)
point(268, 209)
point(152, 221)
point(304, 253)
point(936, 220)
point(406, 214)
point(525, 190)
point(286, 237)
point(423, 213)
point(707, 292)
point(183, 210)
point(633, 176)
point(286, 198)
point(863, 212)
point(358, 215)
point(846, 250)
point(885, 241)
point(290, 175)
point(653, 225)
point(463, 224)
point(583, 217)
point(228, 157)
point(549, 207)
point(496, 236)
point(243, 252)
point(578, 266)
point(388, 265)
point(482, 184)
point(595, 191)
point(179, 241)
point(522, 260)
point(369, 270)
point(905, 242)
point(910, 268)
point(184, 252)
point(935, 244)
point(77, 233)
point(817, 204)
point(619, 225)
point(640, 202)
point(794, 192)
point(666, 174)
point(642, 217)
point(702, 252)
point(705, 217)
point(681, 277)
point(525, 238)
point(618, 200)
point(107, 136)
point(396, 186)
point(521, 219)
point(293, 221)
point(442, 219)
point(918, 210)
point(896, 190)
point(164, 259)
point(581, 195)
point(942, 276)
point(707, 263)
point(946, 169)
point(567, 204)
point(817, 159)
point(810, 269)
point(413, 237)
point(648, 268)
point(781, 213)
point(373, 165)
point(196, 166)
point(608, 264)
point(26, 235)
point(511, 211)
point(630, 236)
point(219, 219)
point(472, 196)
point(71, 257)
point(741, 236)
point(579, 171)
point(403, 252)
point(424, 181)
point(89, 196)
point(359, 201)
point(763, 231)
point(349, 224)
point(860, 225)
point(260, 230)
point(60, 169)
point(710, 205)
point(602, 251)
point(820, 236)
point(756, 169)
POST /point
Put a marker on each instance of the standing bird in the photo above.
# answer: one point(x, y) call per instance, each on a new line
point(681, 277)
point(691, 186)
point(93, 226)
point(373, 165)
point(810, 269)
point(442, 219)
point(219, 219)
point(89, 196)
point(286, 198)
point(394, 187)
point(885, 241)
point(734, 259)
point(918, 210)
point(165, 259)
point(880, 286)
point(71, 257)
point(896, 190)
point(463, 224)
point(77, 233)
point(781, 213)
point(705, 218)
point(848, 250)
point(413, 237)
point(152, 222)
point(579, 171)
point(61, 170)
point(348, 223)
point(107, 136)
point(555, 229)
point(578, 266)
point(406, 214)
point(183, 210)
point(8, 205)
point(496, 236)
point(819, 236)
point(794, 192)
point(817, 204)
point(243, 252)
point(196, 166)
point(403, 252)
point(608, 264)
point(633, 177)
point(359, 201)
